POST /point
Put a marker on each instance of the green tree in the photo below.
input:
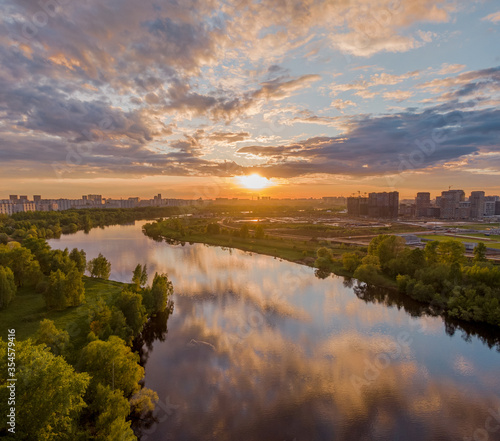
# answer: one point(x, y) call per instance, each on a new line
point(7, 286)
point(75, 289)
point(386, 248)
point(64, 290)
point(80, 259)
point(136, 275)
point(99, 267)
point(350, 261)
point(156, 298)
point(130, 304)
point(324, 259)
point(430, 251)
point(19, 234)
point(144, 401)
point(55, 294)
point(106, 321)
point(244, 231)
point(259, 232)
point(213, 228)
point(369, 274)
point(24, 266)
point(451, 251)
point(414, 260)
point(60, 260)
point(111, 409)
point(42, 252)
point(144, 275)
point(57, 340)
point(4, 238)
point(112, 363)
point(49, 393)
point(87, 223)
point(480, 253)
point(140, 275)
point(371, 260)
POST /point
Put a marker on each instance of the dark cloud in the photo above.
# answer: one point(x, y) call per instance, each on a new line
point(227, 105)
point(387, 144)
point(47, 110)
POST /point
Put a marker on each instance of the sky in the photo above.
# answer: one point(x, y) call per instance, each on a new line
point(183, 98)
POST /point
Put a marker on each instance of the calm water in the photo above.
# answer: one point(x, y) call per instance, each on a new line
point(261, 349)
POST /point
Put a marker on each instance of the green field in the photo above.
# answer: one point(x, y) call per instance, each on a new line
point(474, 226)
point(28, 309)
point(460, 239)
point(300, 251)
point(482, 236)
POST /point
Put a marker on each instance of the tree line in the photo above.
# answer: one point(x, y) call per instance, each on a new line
point(51, 224)
point(439, 275)
point(177, 229)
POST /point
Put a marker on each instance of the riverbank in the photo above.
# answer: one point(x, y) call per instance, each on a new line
point(292, 250)
point(441, 277)
point(302, 252)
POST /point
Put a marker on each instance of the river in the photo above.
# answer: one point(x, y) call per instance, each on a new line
point(261, 349)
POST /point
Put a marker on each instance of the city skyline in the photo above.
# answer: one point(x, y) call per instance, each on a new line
point(237, 98)
point(253, 194)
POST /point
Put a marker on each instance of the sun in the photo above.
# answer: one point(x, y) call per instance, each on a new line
point(254, 181)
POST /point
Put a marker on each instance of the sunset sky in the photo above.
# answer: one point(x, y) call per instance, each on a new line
point(183, 97)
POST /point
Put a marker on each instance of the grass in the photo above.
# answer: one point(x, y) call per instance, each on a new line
point(474, 226)
point(300, 251)
point(493, 237)
point(312, 230)
point(460, 239)
point(28, 308)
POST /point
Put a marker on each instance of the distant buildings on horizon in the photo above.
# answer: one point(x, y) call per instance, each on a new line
point(451, 205)
point(19, 204)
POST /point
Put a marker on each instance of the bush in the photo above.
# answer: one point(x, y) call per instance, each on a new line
point(369, 274)
point(99, 267)
point(351, 261)
point(7, 286)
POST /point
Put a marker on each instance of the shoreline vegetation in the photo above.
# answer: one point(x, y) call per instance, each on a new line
point(439, 275)
point(78, 342)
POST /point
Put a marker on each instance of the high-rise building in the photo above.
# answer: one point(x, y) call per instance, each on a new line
point(422, 203)
point(497, 208)
point(357, 206)
point(450, 203)
point(490, 205)
point(464, 208)
point(13, 198)
point(477, 200)
point(157, 200)
point(37, 198)
point(384, 204)
point(96, 198)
